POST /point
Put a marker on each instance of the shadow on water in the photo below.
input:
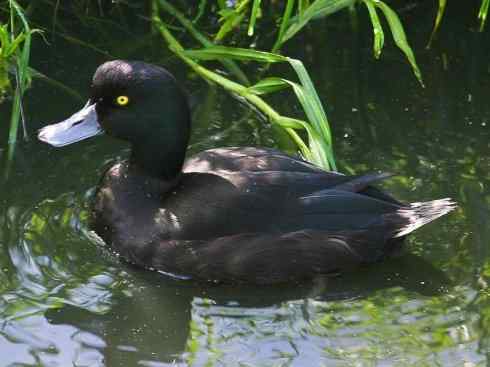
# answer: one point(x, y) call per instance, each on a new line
point(155, 321)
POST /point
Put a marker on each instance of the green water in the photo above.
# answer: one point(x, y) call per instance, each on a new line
point(66, 301)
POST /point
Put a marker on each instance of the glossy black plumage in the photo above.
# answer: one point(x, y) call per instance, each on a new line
point(231, 214)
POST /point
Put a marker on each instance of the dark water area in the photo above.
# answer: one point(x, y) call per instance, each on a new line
point(65, 300)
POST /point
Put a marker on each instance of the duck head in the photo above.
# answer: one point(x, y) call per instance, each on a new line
point(136, 102)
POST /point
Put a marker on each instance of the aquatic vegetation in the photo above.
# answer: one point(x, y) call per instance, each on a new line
point(482, 14)
point(14, 55)
point(318, 148)
point(238, 23)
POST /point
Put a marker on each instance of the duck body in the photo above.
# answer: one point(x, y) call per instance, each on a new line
point(229, 214)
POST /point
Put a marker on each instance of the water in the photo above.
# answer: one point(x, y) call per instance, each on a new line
point(65, 300)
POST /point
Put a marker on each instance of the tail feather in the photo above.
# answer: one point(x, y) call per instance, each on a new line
point(418, 214)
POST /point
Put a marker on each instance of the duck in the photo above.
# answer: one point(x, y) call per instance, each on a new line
point(231, 214)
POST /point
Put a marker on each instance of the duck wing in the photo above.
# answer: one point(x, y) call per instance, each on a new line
point(248, 159)
point(223, 203)
point(266, 258)
point(272, 167)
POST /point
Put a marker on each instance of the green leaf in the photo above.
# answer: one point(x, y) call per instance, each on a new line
point(268, 85)
point(201, 38)
point(231, 22)
point(4, 40)
point(232, 18)
point(244, 54)
point(319, 145)
point(318, 8)
point(284, 22)
point(399, 37)
point(200, 11)
point(379, 36)
point(317, 113)
point(318, 151)
point(303, 5)
point(482, 14)
point(15, 44)
point(437, 22)
point(253, 17)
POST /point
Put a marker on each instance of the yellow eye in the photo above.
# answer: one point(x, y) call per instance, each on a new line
point(122, 100)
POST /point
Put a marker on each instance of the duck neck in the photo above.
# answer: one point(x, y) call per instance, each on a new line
point(157, 160)
point(161, 156)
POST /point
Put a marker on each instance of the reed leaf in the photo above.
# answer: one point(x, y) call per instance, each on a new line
point(200, 11)
point(253, 17)
point(314, 151)
point(319, 8)
point(243, 54)
point(482, 13)
point(437, 22)
point(284, 23)
point(268, 85)
point(378, 34)
point(231, 18)
point(231, 66)
point(400, 37)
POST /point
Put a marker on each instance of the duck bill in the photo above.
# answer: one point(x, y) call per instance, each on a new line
point(80, 126)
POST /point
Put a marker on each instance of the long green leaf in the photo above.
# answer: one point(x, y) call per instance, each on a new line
point(437, 22)
point(400, 38)
point(284, 23)
point(268, 85)
point(319, 117)
point(229, 24)
point(231, 19)
point(4, 38)
point(244, 54)
point(379, 36)
point(319, 146)
point(319, 8)
point(200, 10)
point(201, 38)
point(316, 152)
point(253, 17)
point(482, 14)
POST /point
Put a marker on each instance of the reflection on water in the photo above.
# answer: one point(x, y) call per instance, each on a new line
point(64, 300)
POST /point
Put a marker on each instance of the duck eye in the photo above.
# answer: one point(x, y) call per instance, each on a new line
point(122, 100)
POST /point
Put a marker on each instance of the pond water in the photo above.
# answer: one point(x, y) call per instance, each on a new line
point(64, 300)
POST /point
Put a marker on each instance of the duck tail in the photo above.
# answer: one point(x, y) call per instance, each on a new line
point(416, 215)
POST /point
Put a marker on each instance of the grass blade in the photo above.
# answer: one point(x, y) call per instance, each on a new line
point(315, 152)
point(243, 54)
point(253, 17)
point(318, 8)
point(232, 18)
point(437, 22)
point(268, 85)
point(200, 11)
point(231, 66)
point(318, 115)
point(231, 22)
point(379, 36)
point(482, 14)
point(284, 22)
point(306, 93)
point(400, 38)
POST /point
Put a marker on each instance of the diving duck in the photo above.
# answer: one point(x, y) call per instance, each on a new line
point(236, 214)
